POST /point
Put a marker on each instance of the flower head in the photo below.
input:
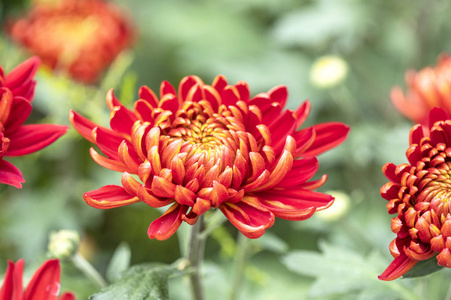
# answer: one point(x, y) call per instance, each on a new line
point(212, 146)
point(328, 71)
point(44, 285)
point(428, 88)
point(80, 37)
point(64, 244)
point(419, 193)
point(16, 95)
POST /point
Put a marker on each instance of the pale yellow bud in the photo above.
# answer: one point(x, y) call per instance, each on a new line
point(338, 209)
point(64, 244)
point(328, 71)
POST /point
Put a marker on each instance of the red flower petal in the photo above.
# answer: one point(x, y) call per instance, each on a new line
point(109, 196)
point(20, 110)
point(31, 138)
point(279, 94)
point(12, 282)
point(248, 216)
point(399, 266)
point(21, 76)
point(11, 175)
point(67, 296)
point(166, 225)
point(45, 283)
point(302, 170)
point(437, 114)
point(328, 135)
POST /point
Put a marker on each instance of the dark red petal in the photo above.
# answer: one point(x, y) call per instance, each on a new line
point(248, 216)
point(166, 88)
point(243, 90)
point(11, 175)
point(108, 141)
point(399, 266)
point(45, 283)
point(22, 75)
point(437, 114)
point(9, 289)
point(389, 170)
point(109, 196)
point(301, 171)
point(328, 135)
point(67, 296)
point(20, 110)
point(83, 125)
point(122, 120)
point(294, 204)
point(302, 112)
point(147, 94)
point(31, 138)
point(282, 127)
point(186, 84)
point(416, 134)
point(279, 94)
point(219, 83)
point(166, 225)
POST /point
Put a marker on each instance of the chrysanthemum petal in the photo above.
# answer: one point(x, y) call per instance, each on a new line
point(31, 138)
point(437, 114)
point(83, 125)
point(147, 94)
point(248, 216)
point(67, 296)
point(328, 135)
point(11, 175)
point(399, 266)
point(302, 170)
point(22, 76)
point(108, 163)
point(166, 225)
point(294, 204)
point(20, 111)
point(109, 196)
point(302, 113)
point(122, 120)
point(279, 94)
point(45, 283)
point(12, 282)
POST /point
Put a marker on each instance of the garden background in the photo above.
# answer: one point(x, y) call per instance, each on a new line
point(266, 43)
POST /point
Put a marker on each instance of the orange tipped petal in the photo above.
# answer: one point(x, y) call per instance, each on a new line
point(166, 225)
point(398, 267)
point(109, 196)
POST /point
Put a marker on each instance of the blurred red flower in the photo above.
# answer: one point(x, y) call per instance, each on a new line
point(44, 285)
point(212, 146)
point(419, 193)
point(16, 95)
point(428, 88)
point(80, 37)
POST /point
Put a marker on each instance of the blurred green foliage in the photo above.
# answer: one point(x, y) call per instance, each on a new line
point(265, 43)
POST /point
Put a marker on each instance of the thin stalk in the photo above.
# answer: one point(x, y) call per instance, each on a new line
point(83, 265)
point(239, 265)
point(195, 256)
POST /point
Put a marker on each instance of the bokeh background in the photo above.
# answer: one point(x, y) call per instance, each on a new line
point(336, 254)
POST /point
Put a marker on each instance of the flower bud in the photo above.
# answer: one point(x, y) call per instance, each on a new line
point(64, 244)
point(328, 71)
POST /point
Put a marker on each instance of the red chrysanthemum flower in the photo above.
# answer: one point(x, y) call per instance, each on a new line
point(16, 94)
point(44, 285)
point(419, 193)
point(80, 37)
point(212, 146)
point(428, 88)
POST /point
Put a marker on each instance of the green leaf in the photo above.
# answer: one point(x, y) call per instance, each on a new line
point(140, 282)
point(341, 271)
point(423, 268)
point(119, 262)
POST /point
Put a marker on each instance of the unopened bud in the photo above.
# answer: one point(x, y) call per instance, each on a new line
point(64, 244)
point(328, 71)
point(338, 208)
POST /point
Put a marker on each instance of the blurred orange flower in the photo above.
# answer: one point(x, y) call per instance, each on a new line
point(428, 88)
point(419, 192)
point(44, 285)
point(80, 37)
point(212, 146)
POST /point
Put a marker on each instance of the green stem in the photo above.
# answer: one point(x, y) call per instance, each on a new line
point(239, 265)
point(195, 256)
point(83, 265)
point(214, 221)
